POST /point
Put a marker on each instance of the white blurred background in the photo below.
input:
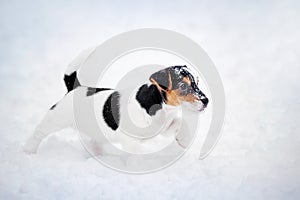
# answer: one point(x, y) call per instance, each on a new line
point(255, 46)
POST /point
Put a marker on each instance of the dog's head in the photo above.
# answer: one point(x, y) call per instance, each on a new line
point(177, 85)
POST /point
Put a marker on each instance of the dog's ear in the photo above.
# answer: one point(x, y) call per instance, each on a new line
point(162, 79)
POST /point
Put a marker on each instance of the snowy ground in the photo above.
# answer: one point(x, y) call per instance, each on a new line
point(255, 47)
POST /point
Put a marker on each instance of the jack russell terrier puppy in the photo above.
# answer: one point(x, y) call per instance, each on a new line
point(167, 88)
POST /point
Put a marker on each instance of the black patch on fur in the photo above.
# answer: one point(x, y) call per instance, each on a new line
point(194, 87)
point(149, 98)
point(162, 78)
point(111, 110)
point(71, 81)
point(185, 73)
point(164, 95)
point(52, 107)
point(91, 91)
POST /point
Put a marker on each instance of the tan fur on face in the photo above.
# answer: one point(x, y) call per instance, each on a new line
point(156, 84)
point(187, 80)
point(189, 98)
point(170, 82)
point(173, 96)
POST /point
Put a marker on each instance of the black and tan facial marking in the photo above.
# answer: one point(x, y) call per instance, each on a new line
point(178, 85)
point(173, 86)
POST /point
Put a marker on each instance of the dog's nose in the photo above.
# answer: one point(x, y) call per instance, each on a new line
point(204, 100)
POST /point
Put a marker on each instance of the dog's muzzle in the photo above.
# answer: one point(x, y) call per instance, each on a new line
point(201, 104)
point(201, 96)
point(204, 100)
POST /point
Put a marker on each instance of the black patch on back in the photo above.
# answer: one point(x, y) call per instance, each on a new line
point(149, 98)
point(91, 91)
point(71, 81)
point(111, 110)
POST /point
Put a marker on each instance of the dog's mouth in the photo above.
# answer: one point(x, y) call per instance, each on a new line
point(197, 106)
point(202, 108)
point(201, 103)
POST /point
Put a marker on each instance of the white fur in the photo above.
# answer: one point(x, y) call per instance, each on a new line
point(62, 116)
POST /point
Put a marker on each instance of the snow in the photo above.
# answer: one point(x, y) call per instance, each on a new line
point(255, 46)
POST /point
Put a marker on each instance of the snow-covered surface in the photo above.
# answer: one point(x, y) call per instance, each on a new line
point(255, 47)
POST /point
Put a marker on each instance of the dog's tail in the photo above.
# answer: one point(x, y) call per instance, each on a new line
point(71, 81)
point(71, 73)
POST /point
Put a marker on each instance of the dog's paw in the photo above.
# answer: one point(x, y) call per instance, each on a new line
point(93, 149)
point(181, 144)
point(31, 146)
point(184, 139)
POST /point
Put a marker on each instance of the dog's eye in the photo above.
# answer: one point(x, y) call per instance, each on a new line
point(182, 86)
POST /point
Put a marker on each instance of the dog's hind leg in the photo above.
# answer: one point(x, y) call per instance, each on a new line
point(57, 118)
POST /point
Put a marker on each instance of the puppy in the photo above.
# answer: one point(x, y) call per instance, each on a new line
point(161, 97)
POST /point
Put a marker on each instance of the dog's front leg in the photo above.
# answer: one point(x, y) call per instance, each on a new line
point(172, 128)
point(184, 136)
